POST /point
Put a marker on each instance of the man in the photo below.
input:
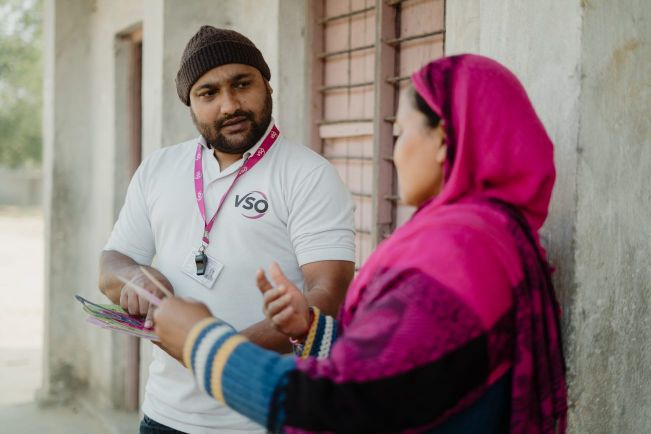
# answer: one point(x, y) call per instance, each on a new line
point(272, 201)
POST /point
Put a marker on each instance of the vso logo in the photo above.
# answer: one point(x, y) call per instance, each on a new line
point(254, 204)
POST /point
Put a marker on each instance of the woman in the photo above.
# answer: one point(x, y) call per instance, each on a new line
point(451, 325)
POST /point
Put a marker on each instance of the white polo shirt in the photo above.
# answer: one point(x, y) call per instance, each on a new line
point(291, 208)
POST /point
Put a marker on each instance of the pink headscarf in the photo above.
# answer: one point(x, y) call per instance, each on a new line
point(497, 146)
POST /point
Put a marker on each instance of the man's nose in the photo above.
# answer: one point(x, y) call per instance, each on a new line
point(229, 104)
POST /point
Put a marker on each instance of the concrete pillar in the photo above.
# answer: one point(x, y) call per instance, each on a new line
point(586, 66)
point(68, 183)
point(292, 85)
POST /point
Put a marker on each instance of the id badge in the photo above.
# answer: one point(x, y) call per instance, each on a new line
point(213, 268)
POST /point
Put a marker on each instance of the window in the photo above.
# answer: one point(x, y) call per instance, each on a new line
point(363, 52)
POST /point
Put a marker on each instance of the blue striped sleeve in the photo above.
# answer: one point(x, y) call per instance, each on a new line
point(238, 373)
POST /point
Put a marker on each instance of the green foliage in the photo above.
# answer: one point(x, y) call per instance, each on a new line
point(21, 79)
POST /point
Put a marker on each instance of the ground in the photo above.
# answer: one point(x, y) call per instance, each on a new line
point(21, 334)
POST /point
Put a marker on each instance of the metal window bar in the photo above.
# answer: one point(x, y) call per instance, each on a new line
point(364, 195)
point(392, 197)
point(325, 20)
point(397, 79)
point(315, 38)
point(345, 86)
point(386, 60)
point(327, 54)
point(395, 2)
point(396, 41)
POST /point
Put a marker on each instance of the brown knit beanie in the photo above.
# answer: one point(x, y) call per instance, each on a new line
point(211, 47)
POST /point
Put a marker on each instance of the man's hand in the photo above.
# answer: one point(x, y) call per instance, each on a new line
point(285, 305)
point(135, 304)
point(174, 319)
point(113, 264)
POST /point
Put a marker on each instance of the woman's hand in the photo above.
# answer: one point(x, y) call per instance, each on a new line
point(173, 320)
point(284, 305)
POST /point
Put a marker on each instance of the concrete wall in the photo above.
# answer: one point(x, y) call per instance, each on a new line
point(586, 65)
point(611, 339)
point(291, 86)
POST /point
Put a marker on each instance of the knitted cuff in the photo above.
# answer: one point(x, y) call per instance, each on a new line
point(320, 337)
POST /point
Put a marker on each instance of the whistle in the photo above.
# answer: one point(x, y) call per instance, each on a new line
point(202, 261)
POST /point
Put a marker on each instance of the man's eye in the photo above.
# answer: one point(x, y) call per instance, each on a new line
point(242, 84)
point(208, 93)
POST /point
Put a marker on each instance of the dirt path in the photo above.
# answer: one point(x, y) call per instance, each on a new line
point(21, 304)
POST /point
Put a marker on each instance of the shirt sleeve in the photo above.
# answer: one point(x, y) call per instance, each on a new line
point(132, 234)
point(320, 223)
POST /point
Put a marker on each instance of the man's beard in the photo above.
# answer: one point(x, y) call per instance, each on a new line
point(216, 140)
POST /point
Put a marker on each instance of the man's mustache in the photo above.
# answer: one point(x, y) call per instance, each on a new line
point(238, 114)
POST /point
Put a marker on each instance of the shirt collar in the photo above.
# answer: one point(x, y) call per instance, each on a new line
point(255, 147)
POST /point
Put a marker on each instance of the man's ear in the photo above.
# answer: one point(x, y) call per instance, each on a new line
point(269, 88)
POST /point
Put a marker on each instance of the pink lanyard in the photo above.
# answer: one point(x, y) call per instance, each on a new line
point(198, 181)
